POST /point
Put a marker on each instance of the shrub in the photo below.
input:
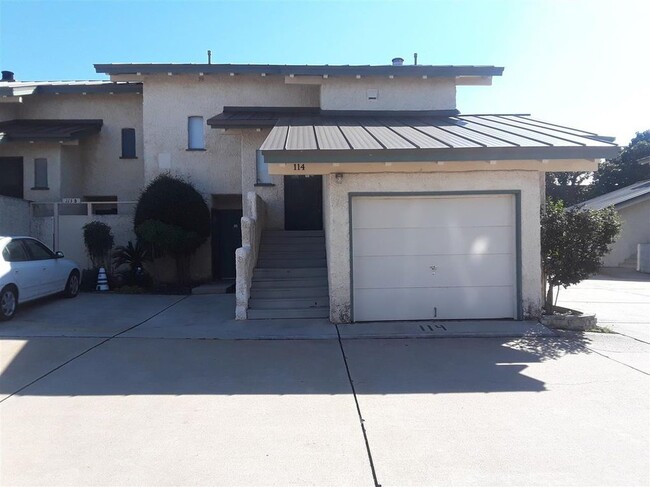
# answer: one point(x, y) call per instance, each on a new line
point(172, 217)
point(574, 240)
point(99, 241)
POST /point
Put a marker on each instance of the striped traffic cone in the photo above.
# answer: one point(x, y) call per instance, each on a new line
point(102, 280)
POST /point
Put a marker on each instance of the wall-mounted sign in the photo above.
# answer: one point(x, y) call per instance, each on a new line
point(71, 200)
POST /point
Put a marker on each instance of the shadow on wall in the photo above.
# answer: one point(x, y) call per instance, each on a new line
point(218, 367)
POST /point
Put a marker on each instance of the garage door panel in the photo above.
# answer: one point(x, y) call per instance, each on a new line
point(404, 212)
point(441, 303)
point(413, 254)
point(415, 271)
point(427, 241)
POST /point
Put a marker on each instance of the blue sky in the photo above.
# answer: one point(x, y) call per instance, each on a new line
point(579, 63)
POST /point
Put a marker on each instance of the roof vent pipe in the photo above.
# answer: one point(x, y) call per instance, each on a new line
point(398, 61)
point(8, 76)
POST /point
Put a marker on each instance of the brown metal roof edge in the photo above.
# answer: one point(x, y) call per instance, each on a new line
point(442, 154)
point(301, 70)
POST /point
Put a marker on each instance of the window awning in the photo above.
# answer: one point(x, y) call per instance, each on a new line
point(413, 138)
point(47, 130)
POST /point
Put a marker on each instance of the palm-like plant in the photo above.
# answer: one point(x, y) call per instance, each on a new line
point(132, 255)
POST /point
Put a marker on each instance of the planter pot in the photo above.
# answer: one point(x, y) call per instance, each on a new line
point(569, 319)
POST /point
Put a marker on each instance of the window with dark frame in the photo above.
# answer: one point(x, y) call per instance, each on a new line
point(128, 144)
point(40, 173)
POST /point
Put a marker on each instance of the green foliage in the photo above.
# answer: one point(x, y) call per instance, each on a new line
point(625, 169)
point(612, 174)
point(132, 255)
point(574, 240)
point(172, 217)
point(99, 241)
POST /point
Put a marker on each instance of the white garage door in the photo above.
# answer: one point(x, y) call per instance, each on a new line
point(428, 257)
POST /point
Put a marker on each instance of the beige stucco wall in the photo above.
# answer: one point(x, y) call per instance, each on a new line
point(338, 235)
point(102, 170)
point(170, 100)
point(14, 216)
point(635, 229)
point(393, 94)
point(49, 150)
point(273, 196)
point(8, 110)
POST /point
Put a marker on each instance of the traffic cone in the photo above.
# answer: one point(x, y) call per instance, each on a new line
point(102, 280)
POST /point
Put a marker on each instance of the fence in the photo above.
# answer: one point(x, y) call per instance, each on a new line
point(60, 225)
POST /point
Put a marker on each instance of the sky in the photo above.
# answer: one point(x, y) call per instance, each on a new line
point(578, 63)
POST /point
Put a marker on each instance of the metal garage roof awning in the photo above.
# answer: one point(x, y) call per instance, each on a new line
point(47, 130)
point(357, 137)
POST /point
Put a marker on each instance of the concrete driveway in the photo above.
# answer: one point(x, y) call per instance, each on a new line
point(619, 297)
point(107, 390)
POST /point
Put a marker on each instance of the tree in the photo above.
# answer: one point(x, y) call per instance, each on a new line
point(569, 187)
point(172, 217)
point(624, 169)
point(574, 240)
point(99, 241)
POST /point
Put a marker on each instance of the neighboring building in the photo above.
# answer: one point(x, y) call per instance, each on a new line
point(408, 210)
point(633, 206)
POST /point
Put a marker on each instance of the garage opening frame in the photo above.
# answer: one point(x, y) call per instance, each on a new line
point(518, 262)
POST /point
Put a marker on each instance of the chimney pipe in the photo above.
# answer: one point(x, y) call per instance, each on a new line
point(8, 76)
point(398, 61)
point(209, 56)
point(415, 58)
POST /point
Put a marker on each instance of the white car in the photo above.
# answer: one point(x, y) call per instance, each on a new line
point(29, 270)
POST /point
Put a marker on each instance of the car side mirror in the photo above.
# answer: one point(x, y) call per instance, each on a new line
point(59, 254)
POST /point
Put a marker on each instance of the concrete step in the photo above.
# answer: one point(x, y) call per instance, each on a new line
point(290, 292)
point(289, 272)
point(290, 263)
point(289, 303)
point(313, 254)
point(305, 282)
point(293, 233)
point(281, 240)
point(266, 314)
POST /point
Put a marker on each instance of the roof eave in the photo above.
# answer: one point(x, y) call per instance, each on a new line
point(447, 154)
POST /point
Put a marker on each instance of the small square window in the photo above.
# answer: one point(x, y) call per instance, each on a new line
point(128, 144)
point(40, 173)
point(195, 133)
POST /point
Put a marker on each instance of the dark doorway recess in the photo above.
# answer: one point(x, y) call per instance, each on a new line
point(226, 238)
point(11, 176)
point(303, 202)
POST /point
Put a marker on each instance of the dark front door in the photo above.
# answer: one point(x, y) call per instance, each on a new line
point(303, 202)
point(11, 176)
point(226, 238)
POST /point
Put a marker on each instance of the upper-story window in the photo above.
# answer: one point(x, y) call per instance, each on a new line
point(128, 144)
point(40, 173)
point(195, 133)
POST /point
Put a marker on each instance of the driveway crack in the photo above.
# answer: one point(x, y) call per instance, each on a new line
point(108, 339)
point(356, 402)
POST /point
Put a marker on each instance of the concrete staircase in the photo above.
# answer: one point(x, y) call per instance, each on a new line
point(629, 263)
point(290, 280)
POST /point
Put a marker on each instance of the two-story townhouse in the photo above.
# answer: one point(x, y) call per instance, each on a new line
point(366, 195)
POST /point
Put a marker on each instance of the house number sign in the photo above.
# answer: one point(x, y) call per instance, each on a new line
point(298, 167)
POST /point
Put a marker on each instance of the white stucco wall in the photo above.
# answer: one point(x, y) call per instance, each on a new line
point(392, 94)
point(338, 235)
point(103, 172)
point(635, 229)
point(170, 100)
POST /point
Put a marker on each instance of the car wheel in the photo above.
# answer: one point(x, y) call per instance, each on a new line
point(8, 303)
point(72, 286)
